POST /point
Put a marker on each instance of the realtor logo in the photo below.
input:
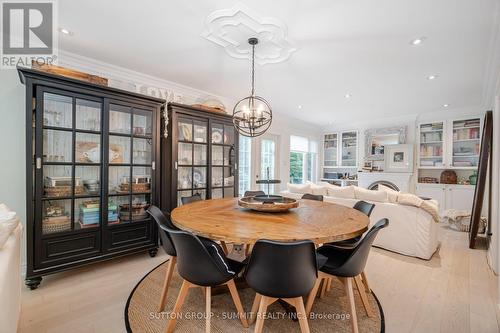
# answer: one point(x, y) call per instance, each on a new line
point(28, 33)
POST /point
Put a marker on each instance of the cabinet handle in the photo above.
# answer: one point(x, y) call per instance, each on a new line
point(235, 166)
point(153, 165)
point(175, 165)
point(38, 163)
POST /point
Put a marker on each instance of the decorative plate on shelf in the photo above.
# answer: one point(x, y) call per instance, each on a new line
point(268, 206)
point(216, 135)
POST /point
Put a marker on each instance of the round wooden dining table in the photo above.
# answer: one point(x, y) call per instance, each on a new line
point(224, 220)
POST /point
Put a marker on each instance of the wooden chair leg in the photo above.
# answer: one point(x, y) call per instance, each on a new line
point(364, 297)
point(365, 282)
point(224, 247)
point(166, 283)
point(264, 303)
point(301, 315)
point(255, 308)
point(329, 284)
point(237, 302)
point(208, 309)
point(323, 288)
point(351, 304)
point(312, 296)
point(177, 307)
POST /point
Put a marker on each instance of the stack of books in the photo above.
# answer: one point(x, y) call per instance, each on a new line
point(90, 214)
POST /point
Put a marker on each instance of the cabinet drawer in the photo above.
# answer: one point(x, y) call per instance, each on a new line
point(130, 235)
point(69, 248)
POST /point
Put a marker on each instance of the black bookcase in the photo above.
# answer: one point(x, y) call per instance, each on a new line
point(199, 155)
point(91, 172)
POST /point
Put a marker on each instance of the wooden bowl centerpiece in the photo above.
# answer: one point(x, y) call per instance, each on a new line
point(274, 205)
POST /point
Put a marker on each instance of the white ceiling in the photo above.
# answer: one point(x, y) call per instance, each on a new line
point(343, 46)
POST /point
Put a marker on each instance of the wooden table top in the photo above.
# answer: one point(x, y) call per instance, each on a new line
point(224, 220)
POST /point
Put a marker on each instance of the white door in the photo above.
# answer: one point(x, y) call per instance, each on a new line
point(459, 197)
point(433, 191)
point(266, 163)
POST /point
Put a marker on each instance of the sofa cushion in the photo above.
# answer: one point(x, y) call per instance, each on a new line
point(299, 188)
point(369, 195)
point(318, 189)
point(392, 195)
point(346, 192)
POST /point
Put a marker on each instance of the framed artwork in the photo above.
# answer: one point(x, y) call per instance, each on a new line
point(398, 158)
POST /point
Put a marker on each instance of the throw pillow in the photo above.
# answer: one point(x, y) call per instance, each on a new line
point(318, 189)
point(299, 188)
point(369, 195)
point(346, 192)
point(392, 195)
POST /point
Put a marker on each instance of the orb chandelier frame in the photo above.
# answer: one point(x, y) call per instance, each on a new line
point(252, 115)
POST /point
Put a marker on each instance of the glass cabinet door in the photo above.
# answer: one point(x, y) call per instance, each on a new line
point(466, 142)
point(70, 163)
point(130, 156)
point(431, 144)
point(192, 158)
point(330, 150)
point(349, 148)
point(223, 160)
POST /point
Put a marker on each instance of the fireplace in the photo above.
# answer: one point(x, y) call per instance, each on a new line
point(395, 180)
point(374, 185)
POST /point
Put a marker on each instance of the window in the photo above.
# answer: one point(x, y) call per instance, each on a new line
point(303, 159)
point(267, 163)
point(245, 157)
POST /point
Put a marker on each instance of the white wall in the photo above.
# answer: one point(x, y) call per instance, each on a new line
point(12, 142)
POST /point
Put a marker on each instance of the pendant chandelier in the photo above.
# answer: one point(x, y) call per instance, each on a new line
point(252, 115)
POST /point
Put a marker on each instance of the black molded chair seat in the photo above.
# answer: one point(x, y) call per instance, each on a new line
point(309, 196)
point(335, 259)
point(195, 197)
point(201, 262)
point(348, 265)
point(253, 193)
point(286, 271)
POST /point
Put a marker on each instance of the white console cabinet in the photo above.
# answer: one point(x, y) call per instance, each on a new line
point(448, 196)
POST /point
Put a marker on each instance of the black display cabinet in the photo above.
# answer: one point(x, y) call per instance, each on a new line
point(91, 172)
point(199, 155)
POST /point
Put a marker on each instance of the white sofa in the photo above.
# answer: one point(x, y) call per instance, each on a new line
point(10, 282)
point(411, 231)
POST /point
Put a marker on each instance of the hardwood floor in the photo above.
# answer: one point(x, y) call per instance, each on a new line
point(453, 292)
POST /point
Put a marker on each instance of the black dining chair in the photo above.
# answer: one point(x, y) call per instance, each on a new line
point(202, 263)
point(347, 265)
point(253, 193)
point(164, 224)
point(278, 270)
point(367, 209)
point(195, 197)
point(309, 196)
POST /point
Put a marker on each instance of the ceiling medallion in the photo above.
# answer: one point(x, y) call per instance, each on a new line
point(230, 29)
point(252, 115)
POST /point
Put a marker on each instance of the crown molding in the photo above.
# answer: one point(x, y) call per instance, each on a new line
point(127, 79)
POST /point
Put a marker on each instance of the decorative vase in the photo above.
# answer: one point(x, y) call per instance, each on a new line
point(473, 178)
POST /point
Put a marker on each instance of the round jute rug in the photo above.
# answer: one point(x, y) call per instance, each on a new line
point(329, 314)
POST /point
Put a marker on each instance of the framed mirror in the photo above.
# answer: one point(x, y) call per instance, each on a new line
point(377, 139)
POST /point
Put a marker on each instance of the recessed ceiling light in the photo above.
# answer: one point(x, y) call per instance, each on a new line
point(299, 107)
point(446, 105)
point(65, 31)
point(418, 41)
point(432, 77)
point(347, 96)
